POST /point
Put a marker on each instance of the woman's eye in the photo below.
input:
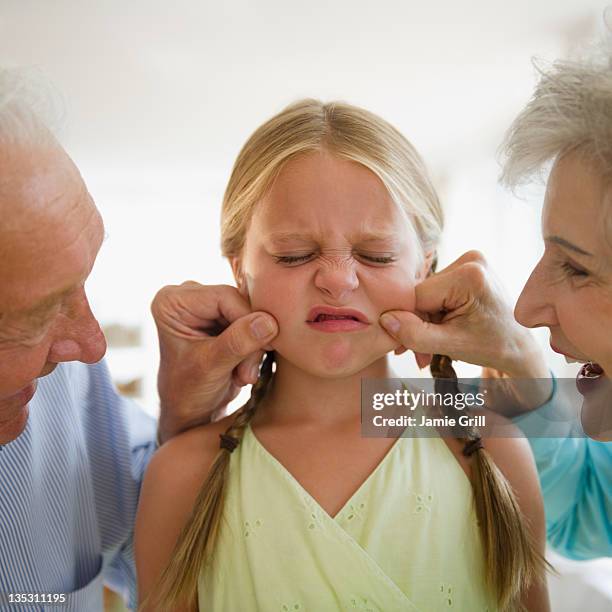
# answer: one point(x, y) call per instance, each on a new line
point(292, 259)
point(571, 270)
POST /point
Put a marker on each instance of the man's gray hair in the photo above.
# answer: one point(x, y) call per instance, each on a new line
point(30, 108)
point(570, 110)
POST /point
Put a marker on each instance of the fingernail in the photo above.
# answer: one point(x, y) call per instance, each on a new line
point(261, 328)
point(390, 323)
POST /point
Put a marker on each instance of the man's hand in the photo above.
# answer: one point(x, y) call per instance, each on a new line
point(464, 313)
point(211, 345)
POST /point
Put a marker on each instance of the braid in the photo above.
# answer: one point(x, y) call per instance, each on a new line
point(258, 391)
point(196, 543)
point(512, 560)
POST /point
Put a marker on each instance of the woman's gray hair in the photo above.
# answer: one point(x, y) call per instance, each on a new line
point(570, 110)
point(30, 108)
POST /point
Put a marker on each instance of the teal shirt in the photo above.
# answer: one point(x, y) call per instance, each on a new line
point(576, 480)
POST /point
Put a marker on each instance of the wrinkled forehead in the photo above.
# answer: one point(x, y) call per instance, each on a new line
point(325, 197)
point(37, 181)
point(578, 205)
point(51, 230)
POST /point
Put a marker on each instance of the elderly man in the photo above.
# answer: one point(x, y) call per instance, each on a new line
point(72, 451)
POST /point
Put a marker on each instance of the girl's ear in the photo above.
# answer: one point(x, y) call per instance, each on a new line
point(426, 267)
point(239, 277)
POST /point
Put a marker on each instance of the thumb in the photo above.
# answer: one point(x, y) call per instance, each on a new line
point(244, 336)
point(418, 335)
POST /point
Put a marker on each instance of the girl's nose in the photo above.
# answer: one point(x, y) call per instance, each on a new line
point(337, 278)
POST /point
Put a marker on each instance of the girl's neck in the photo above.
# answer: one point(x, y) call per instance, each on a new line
point(298, 397)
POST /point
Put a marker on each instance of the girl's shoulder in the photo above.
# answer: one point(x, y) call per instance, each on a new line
point(169, 491)
point(193, 451)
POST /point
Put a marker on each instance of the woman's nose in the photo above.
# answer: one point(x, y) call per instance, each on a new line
point(535, 306)
point(337, 277)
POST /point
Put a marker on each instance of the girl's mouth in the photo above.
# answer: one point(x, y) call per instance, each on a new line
point(336, 323)
point(329, 319)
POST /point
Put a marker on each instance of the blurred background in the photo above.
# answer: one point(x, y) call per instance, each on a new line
point(160, 96)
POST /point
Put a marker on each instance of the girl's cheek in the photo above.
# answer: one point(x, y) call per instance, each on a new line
point(270, 292)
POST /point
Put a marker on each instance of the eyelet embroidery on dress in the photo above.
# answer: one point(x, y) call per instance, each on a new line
point(314, 522)
point(354, 511)
point(446, 593)
point(290, 607)
point(251, 529)
point(361, 603)
point(423, 502)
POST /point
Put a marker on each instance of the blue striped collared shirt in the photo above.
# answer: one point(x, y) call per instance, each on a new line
point(69, 490)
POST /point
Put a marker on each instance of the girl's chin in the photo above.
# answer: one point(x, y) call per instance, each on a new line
point(335, 363)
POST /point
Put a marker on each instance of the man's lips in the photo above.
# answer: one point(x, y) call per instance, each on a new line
point(47, 370)
point(23, 396)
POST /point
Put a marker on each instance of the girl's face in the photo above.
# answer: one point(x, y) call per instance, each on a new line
point(570, 289)
point(327, 242)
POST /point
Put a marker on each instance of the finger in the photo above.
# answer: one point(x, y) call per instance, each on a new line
point(240, 340)
point(418, 335)
point(422, 359)
point(247, 371)
point(450, 290)
point(195, 306)
point(472, 256)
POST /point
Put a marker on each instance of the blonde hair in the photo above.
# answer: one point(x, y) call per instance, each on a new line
point(513, 562)
point(346, 131)
point(358, 135)
point(570, 110)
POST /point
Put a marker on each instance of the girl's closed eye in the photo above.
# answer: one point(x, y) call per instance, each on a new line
point(379, 259)
point(293, 259)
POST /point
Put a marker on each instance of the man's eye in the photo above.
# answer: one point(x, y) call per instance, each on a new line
point(292, 259)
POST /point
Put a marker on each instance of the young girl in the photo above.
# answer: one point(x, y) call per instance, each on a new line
point(329, 220)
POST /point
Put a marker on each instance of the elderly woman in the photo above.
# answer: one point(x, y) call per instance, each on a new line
point(567, 122)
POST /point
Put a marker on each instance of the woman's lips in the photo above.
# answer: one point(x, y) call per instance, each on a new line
point(558, 350)
point(589, 377)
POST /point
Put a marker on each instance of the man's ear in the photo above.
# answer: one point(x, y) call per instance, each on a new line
point(239, 277)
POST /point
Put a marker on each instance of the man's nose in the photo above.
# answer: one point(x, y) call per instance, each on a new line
point(78, 337)
point(535, 308)
point(337, 277)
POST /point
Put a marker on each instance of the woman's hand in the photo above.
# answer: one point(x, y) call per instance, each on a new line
point(464, 313)
point(211, 344)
